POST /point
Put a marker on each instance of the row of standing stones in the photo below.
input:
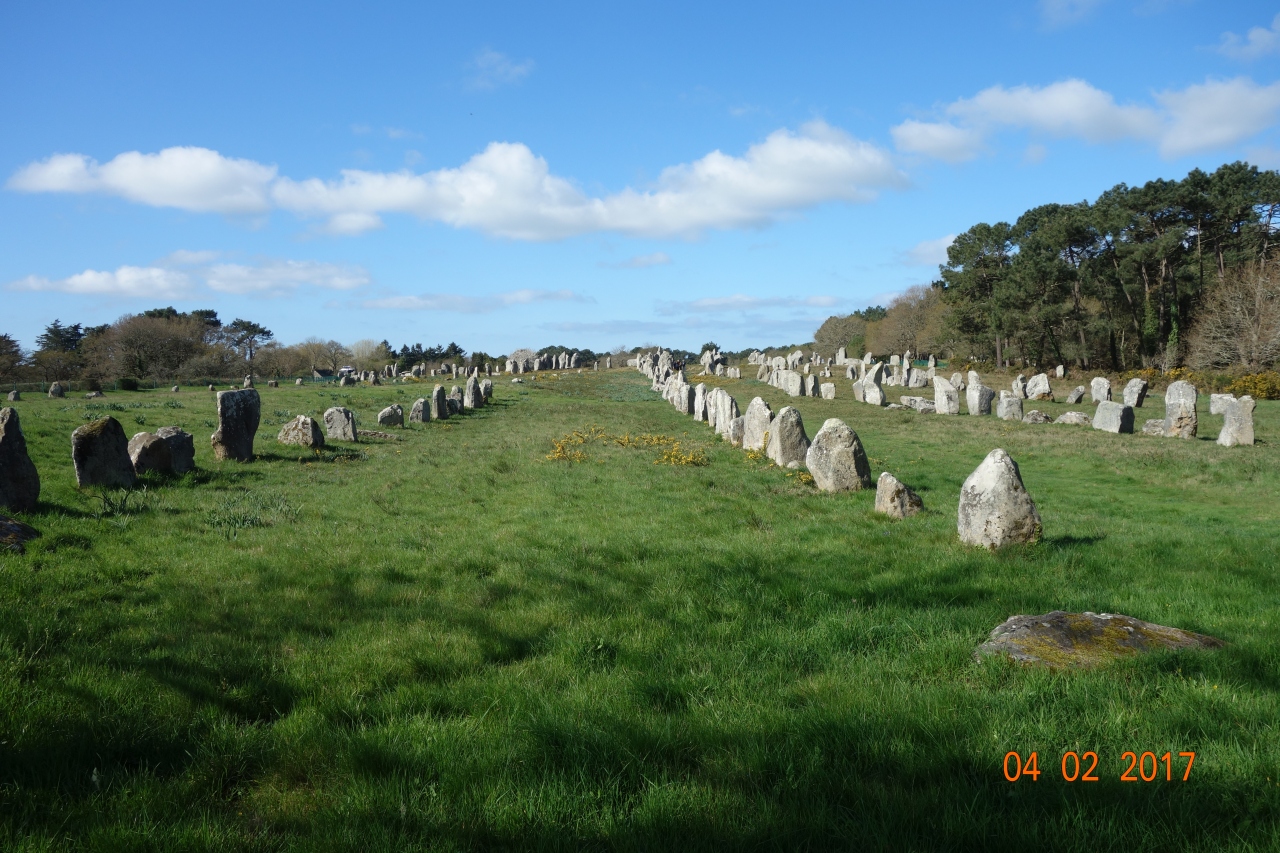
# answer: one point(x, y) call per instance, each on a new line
point(102, 455)
point(995, 508)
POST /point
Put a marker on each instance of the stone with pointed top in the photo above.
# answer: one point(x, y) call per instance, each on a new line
point(995, 509)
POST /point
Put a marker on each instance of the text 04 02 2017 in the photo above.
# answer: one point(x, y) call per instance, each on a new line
point(1083, 766)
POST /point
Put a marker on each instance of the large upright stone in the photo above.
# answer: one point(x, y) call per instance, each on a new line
point(100, 453)
point(894, 499)
point(1113, 417)
point(827, 390)
point(726, 411)
point(55, 390)
point(957, 381)
point(699, 411)
point(1010, 407)
point(439, 403)
point(486, 389)
point(150, 452)
point(1038, 388)
point(737, 428)
point(995, 509)
point(1076, 396)
point(1237, 424)
point(788, 442)
point(836, 459)
point(1180, 410)
point(756, 424)
point(872, 392)
point(1020, 387)
point(392, 415)
point(340, 423)
point(238, 416)
point(15, 395)
point(302, 431)
point(978, 397)
point(19, 480)
point(419, 413)
point(1135, 392)
point(182, 448)
point(471, 396)
point(1218, 403)
point(1099, 389)
point(946, 400)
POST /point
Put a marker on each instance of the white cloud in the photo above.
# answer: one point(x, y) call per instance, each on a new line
point(184, 257)
point(1199, 118)
point(276, 277)
point(928, 252)
point(1257, 43)
point(640, 262)
point(462, 304)
point(141, 282)
point(187, 178)
point(941, 140)
point(740, 302)
point(1061, 13)
point(493, 69)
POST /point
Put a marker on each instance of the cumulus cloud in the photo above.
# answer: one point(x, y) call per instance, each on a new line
point(1255, 44)
point(466, 304)
point(640, 262)
point(140, 282)
point(1199, 118)
point(493, 69)
point(928, 252)
point(1061, 13)
point(187, 178)
point(277, 277)
point(505, 190)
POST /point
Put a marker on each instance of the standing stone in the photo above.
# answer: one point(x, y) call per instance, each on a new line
point(439, 404)
point(957, 381)
point(486, 389)
point(859, 394)
point(894, 499)
point(211, 388)
point(737, 428)
point(756, 424)
point(1020, 387)
point(827, 390)
point(100, 453)
point(978, 397)
point(392, 415)
point(1039, 389)
point(836, 459)
point(946, 400)
point(238, 415)
point(14, 396)
point(419, 413)
point(699, 403)
point(182, 448)
point(1010, 407)
point(788, 442)
point(1100, 389)
point(1237, 426)
point(248, 382)
point(471, 397)
point(149, 452)
point(175, 389)
point(995, 509)
point(1180, 410)
point(1218, 403)
point(1036, 417)
point(872, 392)
point(1060, 371)
point(1076, 396)
point(726, 411)
point(301, 431)
point(340, 423)
point(1113, 417)
point(55, 390)
point(1135, 392)
point(19, 480)
point(1153, 426)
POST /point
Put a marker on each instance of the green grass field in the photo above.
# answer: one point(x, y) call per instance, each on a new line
point(451, 642)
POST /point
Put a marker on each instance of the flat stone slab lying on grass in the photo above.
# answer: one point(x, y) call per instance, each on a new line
point(373, 433)
point(1081, 640)
point(14, 534)
point(1075, 419)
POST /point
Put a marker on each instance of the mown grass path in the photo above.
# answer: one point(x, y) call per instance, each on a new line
point(452, 642)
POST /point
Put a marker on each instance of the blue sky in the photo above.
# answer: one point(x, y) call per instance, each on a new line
point(508, 175)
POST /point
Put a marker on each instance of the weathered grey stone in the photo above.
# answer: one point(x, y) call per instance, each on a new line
point(756, 424)
point(1060, 371)
point(212, 388)
point(340, 424)
point(995, 509)
point(248, 382)
point(836, 459)
point(14, 396)
point(1153, 426)
point(726, 410)
point(439, 404)
point(182, 448)
point(100, 453)
point(1061, 640)
point(1099, 389)
point(15, 534)
point(1038, 388)
point(872, 392)
point(271, 383)
point(56, 390)
point(788, 442)
point(297, 381)
point(737, 427)
point(392, 415)
point(19, 480)
point(1218, 403)
point(346, 381)
point(486, 389)
point(1009, 408)
point(302, 431)
point(149, 452)
point(894, 499)
point(827, 390)
point(920, 404)
point(1113, 417)
point(238, 416)
point(176, 389)
point(978, 397)
point(471, 397)
point(699, 410)
point(1036, 417)
point(1180, 410)
point(94, 395)
point(1135, 392)
point(957, 381)
point(454, 405)
point(1020, 387)
point(1237, 425)
point(859, 395)
point(946, 400)
point(1074, 418)
point(418, 412)
point(1076, 395)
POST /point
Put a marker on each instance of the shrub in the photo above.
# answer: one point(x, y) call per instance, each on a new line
point(1259, 386)
point(127, 383)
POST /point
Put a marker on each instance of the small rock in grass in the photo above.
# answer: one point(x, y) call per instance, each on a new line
point(1153, 426)
point(392, 415)
point(1036, 416)
point(894, 499)
point(1082, 640)
point(302, 431)
point(1074, 418)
